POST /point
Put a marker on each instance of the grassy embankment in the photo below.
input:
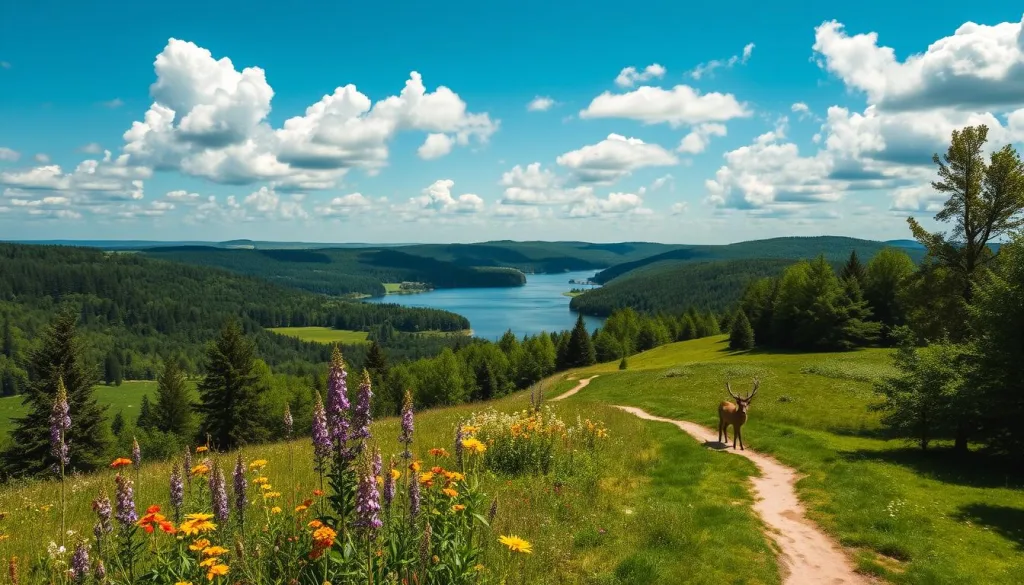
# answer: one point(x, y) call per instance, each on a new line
point(124, 398)
point(912, 517)
point(657, 507)
point(323, 334)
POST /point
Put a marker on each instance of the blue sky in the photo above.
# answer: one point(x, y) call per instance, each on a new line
point(733, 124)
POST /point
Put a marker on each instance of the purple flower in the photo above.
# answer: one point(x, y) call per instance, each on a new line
point(288, 422)
point(177, 491)
point(60, 424)
point(377, 463)
point(126, 514)
point(220, 497)
point(136, 455)
point(101, 506)
point(101, 572)
point(368, 504)
point(414, 496)
point(80, 563)
point(389, 485)
point(458, 446)
point(492, 512)
point(361, 414)
point(321, 438)
point(240, 485)
point(405, 438)
point(337, 400)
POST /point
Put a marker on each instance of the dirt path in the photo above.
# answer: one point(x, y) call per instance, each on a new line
point(808, 555)
point(580, 386)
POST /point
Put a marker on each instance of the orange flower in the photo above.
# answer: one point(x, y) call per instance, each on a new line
point(436, 452)
point(415, 465)
point(437, 470)
point(199, 544)
point(216, 571)
point(395, 474)
point(153, 509)
point(450, 492)
point(202, 449)
point(458, 508)
point(120, 462)
point(167, 527)
point(318, 493)
point(427, 479)
point(315, 524)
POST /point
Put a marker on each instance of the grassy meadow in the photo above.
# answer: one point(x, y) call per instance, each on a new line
point(124, 398)
point(656, 506)
point(323, 334)
point(909, 516)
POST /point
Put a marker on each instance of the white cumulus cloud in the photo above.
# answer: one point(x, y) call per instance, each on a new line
point(629, 76)
point(614, 158)
point(706, 68)
point(540, 104)
point(677, 106)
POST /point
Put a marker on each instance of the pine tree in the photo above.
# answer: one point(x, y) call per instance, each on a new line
point(7, 347)
point(580, 349)
point(741, 337)
point(229, 394)
point(376, 362)
point(58, 357)
point(853, 269)
point(173, 405)
point(112, 369)
point(117, 424)
point(688, 330)
point(146, 419)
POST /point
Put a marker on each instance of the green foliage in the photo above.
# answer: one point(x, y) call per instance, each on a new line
point(884, 277)
point(997, 316)
point(230, 394)
point(173, 401)
point(579, 351)
point(925, 398)
point(59, 357)
point(741, 337)
point(854, 269)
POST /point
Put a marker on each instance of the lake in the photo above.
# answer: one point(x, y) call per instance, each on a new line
point(526, 310)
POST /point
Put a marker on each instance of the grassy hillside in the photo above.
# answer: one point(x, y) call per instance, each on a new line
point(673, 286)
point(124, 398)
point(834, 248)
point(909, 516)
point(339, 271)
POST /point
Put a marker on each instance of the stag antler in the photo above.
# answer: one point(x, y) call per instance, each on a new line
point(757, 384)
point(729, 389)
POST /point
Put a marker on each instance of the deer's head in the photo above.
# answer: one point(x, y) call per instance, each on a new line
point(744, 403)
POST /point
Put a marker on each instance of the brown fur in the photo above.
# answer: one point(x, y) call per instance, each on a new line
point(735, 414)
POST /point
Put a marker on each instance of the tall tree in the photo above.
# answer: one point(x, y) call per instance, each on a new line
point(59, 357)
point(985, 202)
point(7, 346)
point(741, 336)
point(112, 369)
point(885, 275)
point(173, 403)
point(580, 350)
point(853, 269)
point(146, 418)
point(229, 394)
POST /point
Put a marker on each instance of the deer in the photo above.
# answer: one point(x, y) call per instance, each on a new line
point(735, 415)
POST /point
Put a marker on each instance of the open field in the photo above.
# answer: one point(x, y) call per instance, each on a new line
point(323, 334)
point(124, 398)
point(623, 520)
point(908, 516)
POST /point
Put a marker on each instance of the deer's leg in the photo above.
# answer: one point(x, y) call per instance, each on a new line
point(719, 429)
point(740, 435)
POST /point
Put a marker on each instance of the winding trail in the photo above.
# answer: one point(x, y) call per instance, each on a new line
point(808, 556)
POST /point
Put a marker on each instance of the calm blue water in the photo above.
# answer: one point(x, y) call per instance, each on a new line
point(526, 310)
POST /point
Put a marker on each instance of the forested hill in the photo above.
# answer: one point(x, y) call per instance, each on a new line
point(143, 309)
point(834, 248)
point(672, 286)
point(545, 257)
point(340, 271)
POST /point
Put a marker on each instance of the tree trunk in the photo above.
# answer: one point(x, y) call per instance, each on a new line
point(960, 443)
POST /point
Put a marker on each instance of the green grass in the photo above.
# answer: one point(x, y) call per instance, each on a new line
point(911, 517)
point(656, 507)
point(124, 398)
point(571, 294)
point(323, 334)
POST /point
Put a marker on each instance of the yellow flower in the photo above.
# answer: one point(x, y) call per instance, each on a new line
point(271, 495)
point(265, 486)
point(478, 568)
point(450, 492)
point(458, 508)
point(469, 430)
point(200, 469)
point(275, 510)
point(515, 544)
point(395, 474)
point(216, 570)
point(301, 508)
point(426, 477)
point(199, 544)
point(183, 583)
point(474, 446)
point(196, 523)
point(258, 464)
point(210, 561)
point(415, 465)
point(260, 480)
point(202, 449)
point(214, 551)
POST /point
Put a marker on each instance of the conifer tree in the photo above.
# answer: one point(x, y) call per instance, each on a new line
point(59, 357)
point(146, 419)
point(7, 346)
point(741, 337)
point(173, 405)
point(112, 369)
point(117, 424)
point(853, 269)
point(229, 394)
point(580, 349)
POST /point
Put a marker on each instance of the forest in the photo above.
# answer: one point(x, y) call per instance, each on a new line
point(134, 311)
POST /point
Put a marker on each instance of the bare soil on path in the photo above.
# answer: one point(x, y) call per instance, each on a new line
point(807, 555)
